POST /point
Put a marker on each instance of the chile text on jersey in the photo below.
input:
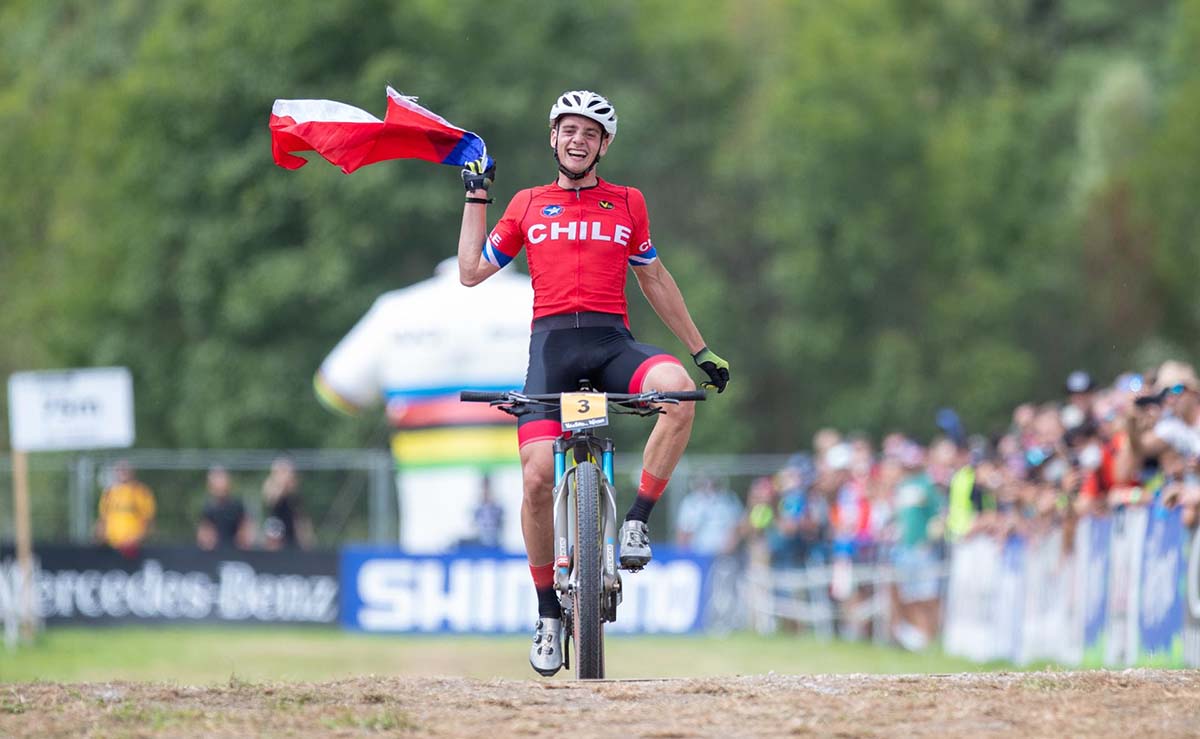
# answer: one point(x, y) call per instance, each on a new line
point(578, 243)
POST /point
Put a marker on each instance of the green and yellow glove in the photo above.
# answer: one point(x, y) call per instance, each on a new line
point(477, 175)
point(716, 368)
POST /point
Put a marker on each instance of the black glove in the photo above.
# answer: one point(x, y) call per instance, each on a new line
point(716, 368)
point(477, 175)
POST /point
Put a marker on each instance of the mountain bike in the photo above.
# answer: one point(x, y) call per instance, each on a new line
point(585, 508)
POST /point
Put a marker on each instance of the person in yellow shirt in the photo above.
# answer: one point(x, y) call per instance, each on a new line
point(126, 512)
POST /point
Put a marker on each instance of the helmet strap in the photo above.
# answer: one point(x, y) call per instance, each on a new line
point(576, 175)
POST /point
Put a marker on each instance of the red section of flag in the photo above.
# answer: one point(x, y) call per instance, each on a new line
point(417, 132)
point(348, 145)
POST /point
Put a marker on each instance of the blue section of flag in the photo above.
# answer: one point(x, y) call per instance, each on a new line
point(470, 147)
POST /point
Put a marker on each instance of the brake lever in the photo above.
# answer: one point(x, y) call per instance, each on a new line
point(627, 411)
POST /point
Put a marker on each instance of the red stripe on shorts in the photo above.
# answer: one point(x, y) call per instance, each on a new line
point(544, 429)
point(639, 375)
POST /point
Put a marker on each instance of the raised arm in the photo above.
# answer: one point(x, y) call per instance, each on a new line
point(472, 267)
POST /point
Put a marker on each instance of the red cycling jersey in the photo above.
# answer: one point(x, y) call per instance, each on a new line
point(578, 242)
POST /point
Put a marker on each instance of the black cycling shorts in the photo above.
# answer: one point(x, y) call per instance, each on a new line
point(596, 347)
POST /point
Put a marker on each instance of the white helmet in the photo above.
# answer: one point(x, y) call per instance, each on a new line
point(587, 104)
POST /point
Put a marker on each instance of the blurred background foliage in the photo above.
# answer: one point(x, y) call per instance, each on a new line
point(874, 207)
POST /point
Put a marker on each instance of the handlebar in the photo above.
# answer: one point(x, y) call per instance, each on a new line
point(482, 396)
point(692, 395)
point(511, 396)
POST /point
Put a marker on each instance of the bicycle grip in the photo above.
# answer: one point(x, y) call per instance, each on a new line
point(481, 396)
point(686, 395)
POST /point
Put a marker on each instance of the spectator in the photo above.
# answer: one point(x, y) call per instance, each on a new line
point(1107, 469)
point(708, 519)
point(965, 497)
point(824, 440)
point(1081, 397)
point(918, 505)
point(126, 515)
point(286, 525)
point(488, 517)
point(850, 518)
point(758, 526)
point(803, 514)
point(851, 515)
point(1179, 428)
point(223, 522)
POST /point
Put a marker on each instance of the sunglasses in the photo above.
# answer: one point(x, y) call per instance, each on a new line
point(1177, 389)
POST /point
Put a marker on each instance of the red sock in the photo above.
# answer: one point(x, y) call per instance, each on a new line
point(649, 491)
point(543, 582)
point(651, 487)
point(543, 575)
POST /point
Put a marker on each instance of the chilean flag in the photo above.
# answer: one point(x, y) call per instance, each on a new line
point(350, 137)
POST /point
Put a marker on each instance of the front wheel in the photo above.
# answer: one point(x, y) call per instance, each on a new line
point(589, 575)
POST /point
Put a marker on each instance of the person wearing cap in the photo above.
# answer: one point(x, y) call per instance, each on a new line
point(1178, 430)
point(1081, 398)
point(581, 235)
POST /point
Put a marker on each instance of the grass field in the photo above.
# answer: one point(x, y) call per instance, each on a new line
point(196, 656)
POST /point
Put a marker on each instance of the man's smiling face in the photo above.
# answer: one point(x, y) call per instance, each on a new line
point(578, 141)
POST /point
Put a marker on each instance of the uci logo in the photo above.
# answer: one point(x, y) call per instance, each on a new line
point(606, 205)
point(551, 211)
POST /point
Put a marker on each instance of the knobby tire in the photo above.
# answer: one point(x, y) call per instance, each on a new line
point(589, 572)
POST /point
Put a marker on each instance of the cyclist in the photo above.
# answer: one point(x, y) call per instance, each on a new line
point(580, 232)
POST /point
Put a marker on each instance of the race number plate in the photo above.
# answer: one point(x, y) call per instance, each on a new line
point(584, 410)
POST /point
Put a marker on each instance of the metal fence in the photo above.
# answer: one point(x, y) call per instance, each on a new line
point(348, 494)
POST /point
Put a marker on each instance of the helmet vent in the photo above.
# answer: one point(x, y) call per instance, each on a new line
point(588, 104)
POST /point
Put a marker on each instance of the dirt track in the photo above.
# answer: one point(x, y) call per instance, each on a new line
point(1129, 703)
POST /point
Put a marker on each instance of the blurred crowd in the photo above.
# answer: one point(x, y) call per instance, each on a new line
point(127, 510)
point(1132, 442)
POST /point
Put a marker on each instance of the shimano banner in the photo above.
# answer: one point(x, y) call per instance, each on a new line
point(178, 585)
point(490, 593)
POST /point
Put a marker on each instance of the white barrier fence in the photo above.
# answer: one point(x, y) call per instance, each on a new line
point(1127, 592)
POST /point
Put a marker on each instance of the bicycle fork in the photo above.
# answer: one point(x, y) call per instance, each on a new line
point(564, 575)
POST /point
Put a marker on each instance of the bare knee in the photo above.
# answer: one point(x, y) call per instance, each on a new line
point(673, 378)
point(538, 483)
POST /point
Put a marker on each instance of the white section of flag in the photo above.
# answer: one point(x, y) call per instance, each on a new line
point(305, 111)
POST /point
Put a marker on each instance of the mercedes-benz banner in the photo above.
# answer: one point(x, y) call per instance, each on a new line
point(486, 592)
point(179, 585)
